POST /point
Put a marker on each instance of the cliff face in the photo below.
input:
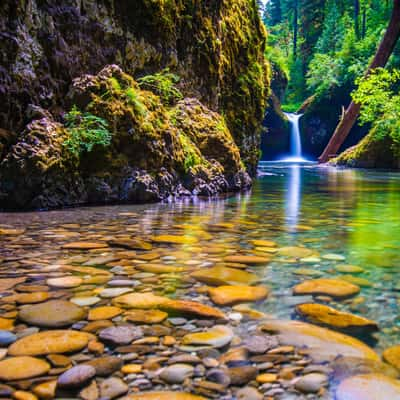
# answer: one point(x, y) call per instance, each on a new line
point(215, 47)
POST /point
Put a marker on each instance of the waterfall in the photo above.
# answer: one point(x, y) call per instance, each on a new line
point(295, 140)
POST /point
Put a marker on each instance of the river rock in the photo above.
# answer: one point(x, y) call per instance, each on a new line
point(217, 337)
point(221, 276)
point(230, 295)
point(249, 260)
point(249, 393)
point(121, 335)
point(52, 314)
point(174, 239)
point(16, 368)
point(295, 252)
point(6, 324)
point(84, 245)
point(327, 287)
point(49, 342)
point(65, 282)
point(311, 383)
point(259, 344)
point(46, 390)
point(29, 298)
point(392, 356)
point(159, 268)
point(113, 387)
point(167, 395)
point(146, 316)
point(101, 313)
point(6, 338)
point(76, 377)
point(324, 315)
point(320, 343)
point(176, 373)
point(242, 375)
point(106, 366)
point(368, 387)
point(263, 243)
point(9, 283)
point(349, 269)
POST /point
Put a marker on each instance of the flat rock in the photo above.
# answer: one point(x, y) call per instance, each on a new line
point(106, 366)
point(113, 387)
point(174, 239)
point(65, 282)
point(242, 375)
point(52, 314)
point(85, 301)
point(84, 245)
point(163, 396)
point(249, 393)
point(327, 287)
point(320, 343)
point(295, 252)
point(50, 342)
point(219, 336)
point(9, 283)
point(16, 368)
point(29, 298)
point(311, 383)
point(349, 269)
point(146, 316)
point(6, 338)
point(248, 260)
point(259, 344)
point(121, 335)
point(369, 387)
point(159, 268)
point(338, 320)
point(176, 373)
point(230, 295)
point(106, 312)
point(263, 243)
point(221, 276)
point(392, 356)
point(76, 377)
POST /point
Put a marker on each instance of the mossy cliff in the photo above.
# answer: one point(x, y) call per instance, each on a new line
point(214, 47)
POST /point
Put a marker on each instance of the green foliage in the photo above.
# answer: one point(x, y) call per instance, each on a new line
point(191, 153)
point(163, 84)
point(379, 98)
point(291, 107)
point(85, 131)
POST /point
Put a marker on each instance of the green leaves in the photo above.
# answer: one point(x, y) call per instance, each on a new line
point(85, 131)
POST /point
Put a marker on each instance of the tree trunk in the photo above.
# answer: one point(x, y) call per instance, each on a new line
point(357, 18)
point(382, 55)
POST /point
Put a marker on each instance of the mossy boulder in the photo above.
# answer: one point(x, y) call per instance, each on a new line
point(154, 151)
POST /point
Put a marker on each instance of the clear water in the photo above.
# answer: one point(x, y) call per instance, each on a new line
point(351, 213)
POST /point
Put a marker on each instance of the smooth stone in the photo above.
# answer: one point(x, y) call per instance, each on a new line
point(311, 383)
point(333, 257)
point(9, 283)
point(368, 387)
point(96, 326)
point(356, 280)
point(6, 324)
point(84, 245)
point(231, 295)
point(249, 393)
point(146, 316)
point(263, 243)
point(85, 301)
point(50, 342)
point(6, 338)
point(52, 314)
point(105, 366)
point(167, 395)
point(66, 282)
point(159, 268)
point(267, 378)
point(242, 375)
point(23, 395)
point(295, 252)
point(58, 360)
point(46, 390)
point(106, 312)
point(327, 287)
point(16, 368)
point(310, 260)
point(121, 335)
point(76, 377)
point(151, 301)
point(349, 269)
point(320, 343)
point(176, 373)
point(29, 298)
point(221, 276)
point(259, 344)
point(327, 316)
point(101, 260)
point(90, 392)
point(114, 292)
point(217, 337)
point(307, 272)
point(248, 260)
point(392, 356)
point(174, 239)
point(113, 387)
point(219, 375)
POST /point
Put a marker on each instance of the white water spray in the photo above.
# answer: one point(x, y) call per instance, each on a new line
point(295, 140)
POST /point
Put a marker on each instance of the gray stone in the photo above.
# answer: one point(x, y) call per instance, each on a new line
point(112, 387)
point(76, 377)
point(176, 373)
point(311, 383)
point(6, 338)
point(121, 335)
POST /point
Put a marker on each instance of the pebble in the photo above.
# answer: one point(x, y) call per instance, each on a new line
point(121, 335)
point(311, 383)
point(176, 373)
point(76, 377)
point(6, 338)
point(249, 393)
point(113, 387)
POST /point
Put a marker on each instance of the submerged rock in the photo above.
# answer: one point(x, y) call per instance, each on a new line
point(230, 295)
point(330, 287)
point(16, 368)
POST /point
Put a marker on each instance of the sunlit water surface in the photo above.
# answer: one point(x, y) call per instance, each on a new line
point(352, 213)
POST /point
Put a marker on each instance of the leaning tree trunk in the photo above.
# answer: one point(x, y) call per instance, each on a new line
point(382, 55)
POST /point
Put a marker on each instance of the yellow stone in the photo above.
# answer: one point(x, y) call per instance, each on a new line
point(267, 378)
point(263, 243)
point(174, 239)
point(131, 369)
point(106, 312)
point(146, 316)
point(50, 342)
point(320, 343)
point(349, 269)
point(327, 287)
point(230, 295)
point(22, 395)
point(147, 301)
point(248, 312)
point(46, 390)
point(392, 356)
point(169, 341)
point(324, 315)
point(356, 280)
point(84, 245)
point(220, 276)
point(6, 324)
point(16, 368)
point(65, 282)
point(163, 396)
point(296, 252)
point(28, 298)
point(218, 336)
point(248, 260)
point(159, 268)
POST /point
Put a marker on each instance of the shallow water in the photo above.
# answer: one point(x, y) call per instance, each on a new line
point(352, 214)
